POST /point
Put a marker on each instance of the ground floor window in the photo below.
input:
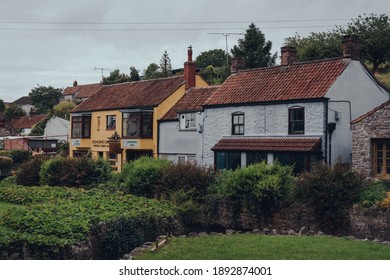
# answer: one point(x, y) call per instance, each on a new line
point(381, 158)
point(227, 160)
point(136, 154)
point(301, 162)
point(183, 159)
point(255, 157)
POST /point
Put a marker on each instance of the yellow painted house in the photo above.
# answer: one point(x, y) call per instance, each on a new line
point(119, 122)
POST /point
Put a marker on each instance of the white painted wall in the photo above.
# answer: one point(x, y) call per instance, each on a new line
point(58, 128)
point(260, 120)
point(358, 87)
point(174, 142)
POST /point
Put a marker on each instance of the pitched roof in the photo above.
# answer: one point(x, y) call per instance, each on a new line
point(192, 100)
point(370, 112)
point(138, 94)
point(292, 144)
point(24, 100)
point(306, 80)
point(27, 121)
point(82, 91)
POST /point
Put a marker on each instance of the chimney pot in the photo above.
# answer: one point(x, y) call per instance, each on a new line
point(350, 46)
point(237, 63)
point(288, 55)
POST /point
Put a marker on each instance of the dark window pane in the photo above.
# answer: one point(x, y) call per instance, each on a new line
point(221, 160)
point(234, 160)
point(255, 157)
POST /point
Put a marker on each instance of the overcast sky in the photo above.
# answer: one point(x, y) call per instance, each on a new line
point(54, 42)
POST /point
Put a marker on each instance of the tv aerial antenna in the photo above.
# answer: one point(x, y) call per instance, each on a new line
point(101, 69)
point(226, 34)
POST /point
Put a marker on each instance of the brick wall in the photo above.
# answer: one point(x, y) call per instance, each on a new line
point(376, 125)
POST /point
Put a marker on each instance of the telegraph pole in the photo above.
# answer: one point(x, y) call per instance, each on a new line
point(226, 36)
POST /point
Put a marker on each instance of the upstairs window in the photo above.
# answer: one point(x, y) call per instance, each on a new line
point(138, 125)
point(296, 120)
point(238, 124)
point(188, 121)
point(81, 127)
point(111, 122)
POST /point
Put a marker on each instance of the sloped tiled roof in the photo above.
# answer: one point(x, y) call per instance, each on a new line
point(192, 100)
point(82, 91)
point(24, 100)
point(27, 121)
point(371, 112)
point(147, 93)
point(284, 144)
point(307, 80)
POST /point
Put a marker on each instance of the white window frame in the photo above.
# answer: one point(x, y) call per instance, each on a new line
point(188, 121)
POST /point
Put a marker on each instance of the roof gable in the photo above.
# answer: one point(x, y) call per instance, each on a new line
point(82, 91)
point(24, 100)
point(192, 100)
point(149, 93)
point(27, 121)
point(307, 80)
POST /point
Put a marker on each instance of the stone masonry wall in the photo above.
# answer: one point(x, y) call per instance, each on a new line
point(374, 126)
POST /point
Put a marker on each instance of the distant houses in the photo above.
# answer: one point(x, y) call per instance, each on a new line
point(79, 93)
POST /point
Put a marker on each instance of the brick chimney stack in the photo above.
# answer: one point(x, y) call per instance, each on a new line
point(288, 55)
point(75, 83)
point(237, 63)
point(350, 46)
point(190, 71)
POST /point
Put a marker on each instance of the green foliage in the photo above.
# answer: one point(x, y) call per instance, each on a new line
point(142, 176)
point(12, 112)
point(254, 49)
point(316, 46)
point(75, 172)
point(215, 76)
point(2, 106)
point(39, 128)
point(185, 177)
point(63, 109)
point(330, 191)
point(259, 187)
point(165, 65)
point(374, 35)
point(134, 74)
point(6, 163)
point(215, 58)
point(153, 71)
point(45, 98)
point(18, 156)
point(28, 172)
point(373, 194)
point(116, 78)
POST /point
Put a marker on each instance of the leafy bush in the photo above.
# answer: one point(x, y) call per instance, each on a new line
point(142, 176)
point(75, 172)
point(18, 156)
point(188, 177)
point(6, 163)
point(374, 193)
point(259, 187)
point(385, 203)
point(28, 172)
point(330, 192)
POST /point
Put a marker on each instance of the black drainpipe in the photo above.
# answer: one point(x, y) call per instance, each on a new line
point(331, 128)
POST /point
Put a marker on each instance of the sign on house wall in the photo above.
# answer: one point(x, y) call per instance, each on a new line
point(130, 144)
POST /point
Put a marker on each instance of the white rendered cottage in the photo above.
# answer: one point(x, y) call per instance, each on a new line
point(295, 112)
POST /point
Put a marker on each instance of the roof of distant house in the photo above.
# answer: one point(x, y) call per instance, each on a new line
point(192, 100)
point(140, 94)
point(281, 144)
point(305, 80)
point(27, 121)
point(24, 100)
point(83, 91)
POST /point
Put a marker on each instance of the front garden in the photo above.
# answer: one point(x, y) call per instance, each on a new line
point(63, 208)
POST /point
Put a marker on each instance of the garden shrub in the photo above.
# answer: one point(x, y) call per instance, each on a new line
point(6, 163)
point(330, 191)
point(28, 172)
point(142, 176)
point(385, 203)
point(373, 193)
point(74, 172)
point(188, 177)
point(18, 156)
point(260, 187)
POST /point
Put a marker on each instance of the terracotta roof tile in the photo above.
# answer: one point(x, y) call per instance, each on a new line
point(308, 80)
point(147, 93)
point(27, 122)
point(192, 100)
point(83, 91)
point(269, 144)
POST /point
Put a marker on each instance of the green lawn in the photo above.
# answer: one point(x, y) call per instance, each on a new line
point(263, 247)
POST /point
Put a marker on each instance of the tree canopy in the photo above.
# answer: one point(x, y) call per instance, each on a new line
point(165, 65)
point(12, 112)
point(254, 49)
point(215, 58)
point(45, 98)
point(63, 109)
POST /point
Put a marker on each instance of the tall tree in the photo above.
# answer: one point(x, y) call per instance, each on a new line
point(45, 98)
point(165, 65)
point(152, 72)
point(2, 106)
point(215, 58)
point(63, 109)
point(374, 34)
point(12, 112)
point(134, 74)
point(254, 49)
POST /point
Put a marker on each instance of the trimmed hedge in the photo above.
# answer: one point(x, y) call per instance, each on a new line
point(18, 156)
